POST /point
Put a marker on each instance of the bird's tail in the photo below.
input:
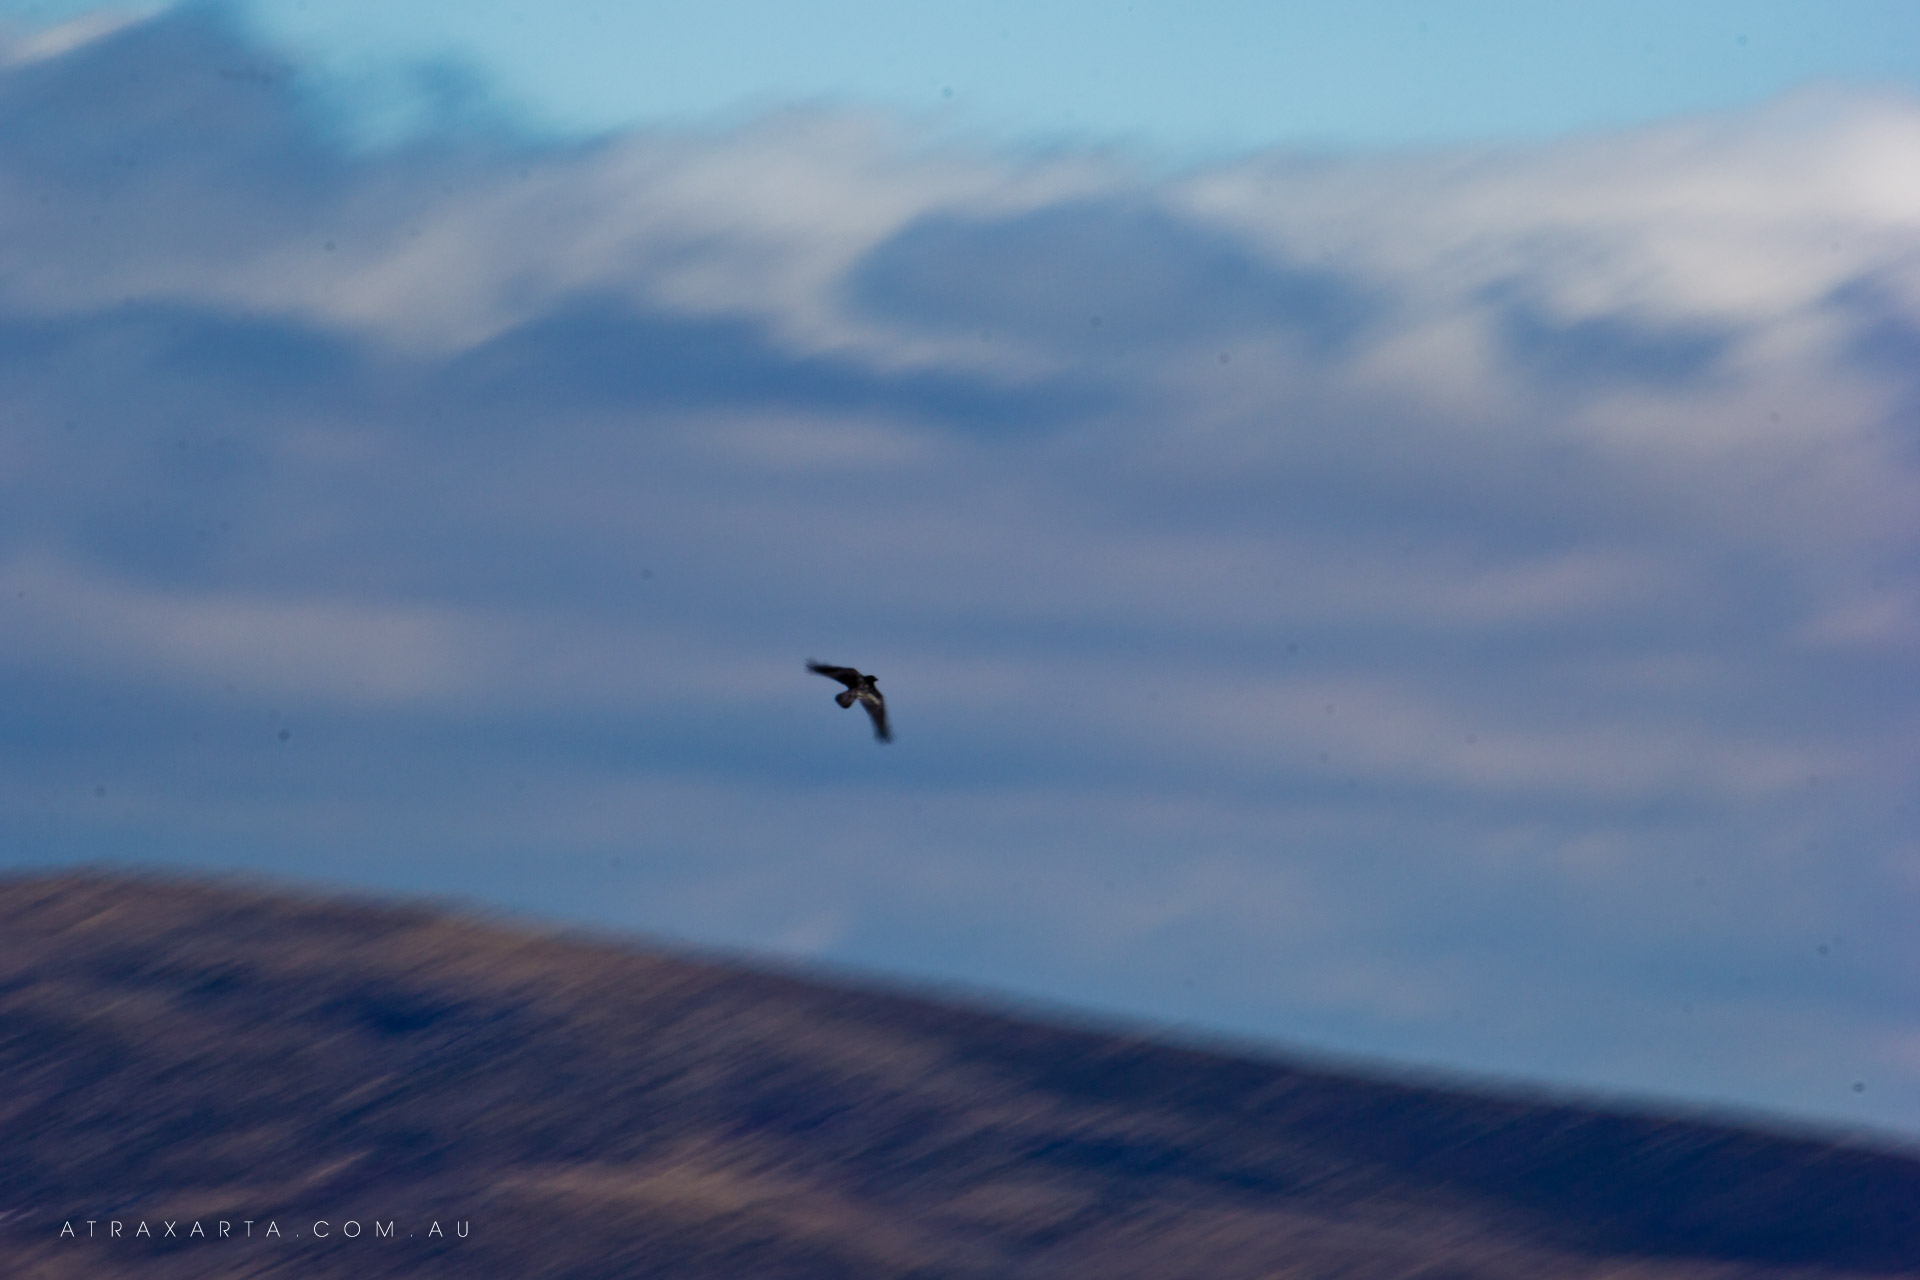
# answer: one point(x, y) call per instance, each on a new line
point(844, 699)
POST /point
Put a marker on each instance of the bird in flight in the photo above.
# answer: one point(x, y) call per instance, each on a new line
point(862, 689)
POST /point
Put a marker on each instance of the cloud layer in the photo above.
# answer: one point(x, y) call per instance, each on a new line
point(1458, 606)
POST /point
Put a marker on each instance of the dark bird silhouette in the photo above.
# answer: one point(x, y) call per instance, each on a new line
point(862, 689)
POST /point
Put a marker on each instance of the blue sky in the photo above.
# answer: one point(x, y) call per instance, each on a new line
point(1179, 77)
point(1176, 76)
point(1451, 603)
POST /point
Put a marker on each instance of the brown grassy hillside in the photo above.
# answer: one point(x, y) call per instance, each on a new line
point(184, 1052)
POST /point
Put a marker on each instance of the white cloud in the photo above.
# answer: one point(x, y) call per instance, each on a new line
point(286, 646)
point(21, 47)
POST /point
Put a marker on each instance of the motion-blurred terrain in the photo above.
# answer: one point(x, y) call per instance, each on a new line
point(182, 1052)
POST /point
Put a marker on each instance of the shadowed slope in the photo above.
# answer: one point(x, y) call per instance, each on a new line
point(173, 1051)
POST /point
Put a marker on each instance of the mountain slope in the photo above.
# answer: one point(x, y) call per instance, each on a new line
point(173, 1051)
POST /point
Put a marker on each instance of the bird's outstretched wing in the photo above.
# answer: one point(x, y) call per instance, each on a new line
point(845, 675)
point(876, 706)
